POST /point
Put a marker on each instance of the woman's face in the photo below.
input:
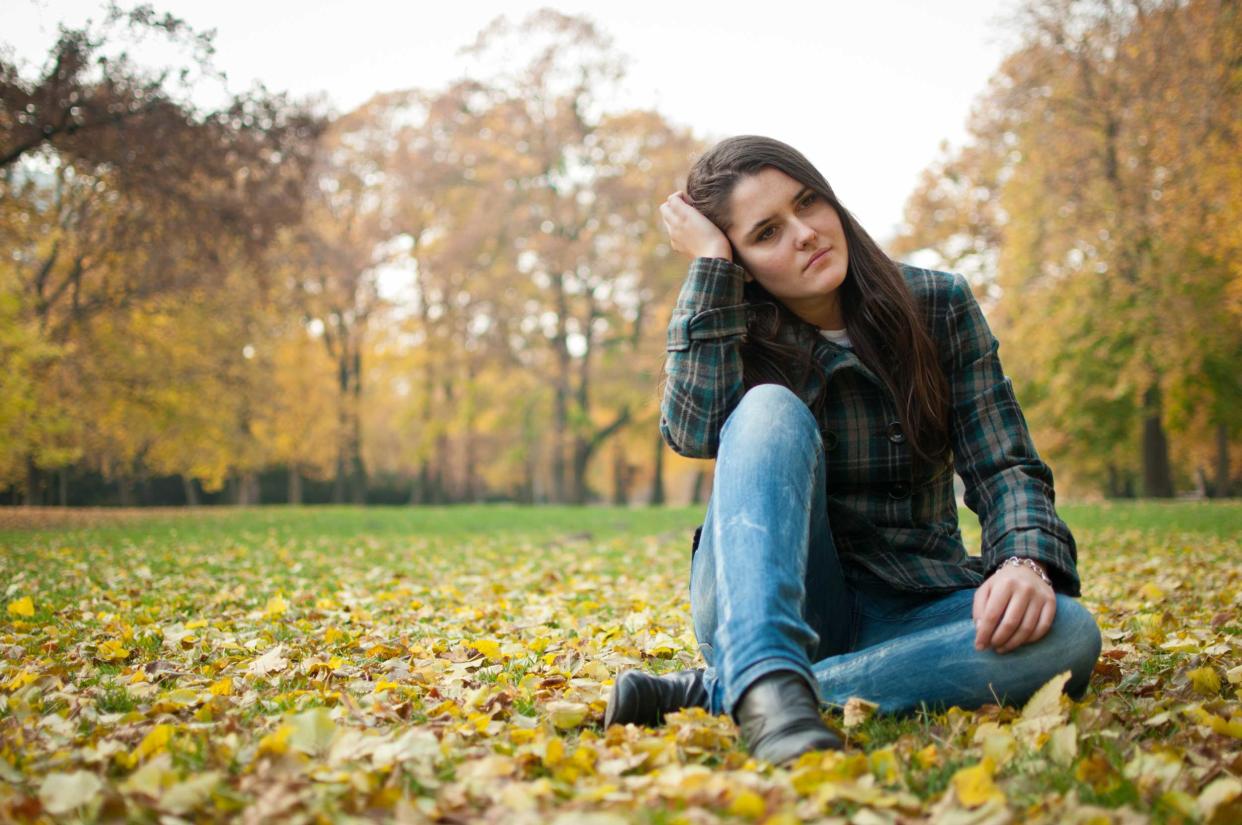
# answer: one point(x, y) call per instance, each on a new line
point(789, 238)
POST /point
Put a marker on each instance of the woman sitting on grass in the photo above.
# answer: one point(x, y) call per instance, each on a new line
point(838, 392)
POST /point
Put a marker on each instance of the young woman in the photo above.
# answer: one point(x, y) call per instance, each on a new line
point(839, 392)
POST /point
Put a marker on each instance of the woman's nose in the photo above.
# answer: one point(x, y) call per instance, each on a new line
point(805, 234)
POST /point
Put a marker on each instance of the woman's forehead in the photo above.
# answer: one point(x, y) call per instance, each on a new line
point(759, 196)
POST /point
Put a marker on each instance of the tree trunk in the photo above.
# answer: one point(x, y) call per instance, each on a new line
point(1157, 475)
point(1222, 462)
point(698, 493)
point(560, 419)
point(34, 494)
point(657, 477)
point(295, 485)
point(248, 489)
point(191, 491)
point(63, 492)
point(622, 475)
point(126, 490)
point(358, 471)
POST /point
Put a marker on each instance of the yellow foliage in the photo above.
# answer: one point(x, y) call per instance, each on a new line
point(21, 607)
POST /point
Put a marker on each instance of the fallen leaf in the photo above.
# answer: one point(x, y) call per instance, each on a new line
point(857, 711)
point(974, 785)
point(21, 607)
point(273, 661)
point(63, 792)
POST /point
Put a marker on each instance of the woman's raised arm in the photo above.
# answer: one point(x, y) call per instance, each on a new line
point(703, 365)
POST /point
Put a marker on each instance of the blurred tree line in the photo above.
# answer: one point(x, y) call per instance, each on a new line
point(1098, 200)
point(461, 294)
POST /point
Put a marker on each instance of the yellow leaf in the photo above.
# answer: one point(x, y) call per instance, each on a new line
point(488, 647)
point(333, 635)
point(928, 757)
point(276, 606)
point(22, 678)
point(22, 607)
point(155, 741)
point(748, 804)
point(1205, 680)
point(276, 742)
point(884, 765)
point(974, 785)
point(224, 687)
point(1232, 727)
point(553, 753)
point(112, 651)
point(566, 715)
point(196, 624)
point(1047, 700)
point(1150, 592)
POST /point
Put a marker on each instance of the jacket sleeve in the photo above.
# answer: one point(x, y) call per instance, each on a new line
point(1007, 485)
point(703, 367)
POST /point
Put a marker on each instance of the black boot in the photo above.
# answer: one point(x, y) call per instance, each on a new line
point(643, 699)
point(779, 719)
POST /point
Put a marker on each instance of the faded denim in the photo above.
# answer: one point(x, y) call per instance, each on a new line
point(768, 592)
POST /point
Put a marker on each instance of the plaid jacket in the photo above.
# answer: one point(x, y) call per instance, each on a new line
point(886, 522)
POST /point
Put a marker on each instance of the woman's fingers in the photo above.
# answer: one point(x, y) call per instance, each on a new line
point(990, 613)
point(976, 607)
point(690, 231)
point(1046, 616)
point(1030, 620)
point(1011, 620)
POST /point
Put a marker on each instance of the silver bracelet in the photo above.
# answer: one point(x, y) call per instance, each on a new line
point(1022, 561)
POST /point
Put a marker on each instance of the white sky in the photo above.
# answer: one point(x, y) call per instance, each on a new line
point(867, 89)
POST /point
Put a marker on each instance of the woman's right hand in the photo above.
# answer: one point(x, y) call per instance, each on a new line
point(690, 232)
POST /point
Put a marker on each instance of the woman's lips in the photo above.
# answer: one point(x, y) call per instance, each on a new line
point(821, 253)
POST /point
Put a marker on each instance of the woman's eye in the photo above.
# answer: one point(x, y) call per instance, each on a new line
point(810, 199)
point(768, 231)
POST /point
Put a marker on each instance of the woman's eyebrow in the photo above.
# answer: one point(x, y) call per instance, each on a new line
point(762, 222)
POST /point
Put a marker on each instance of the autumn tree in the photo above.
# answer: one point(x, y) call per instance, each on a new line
point(1096, 189)
point(117, 190)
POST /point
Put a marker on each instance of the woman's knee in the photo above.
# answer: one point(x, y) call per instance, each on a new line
point(1076, 638)
point(770, 411)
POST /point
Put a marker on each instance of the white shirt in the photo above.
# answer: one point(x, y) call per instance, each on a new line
point(837, 336)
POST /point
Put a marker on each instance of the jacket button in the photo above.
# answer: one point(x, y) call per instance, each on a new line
point(899, 490)
point(830, 440)
point(895, 434)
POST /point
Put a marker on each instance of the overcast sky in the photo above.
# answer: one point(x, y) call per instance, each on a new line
point(867, 90)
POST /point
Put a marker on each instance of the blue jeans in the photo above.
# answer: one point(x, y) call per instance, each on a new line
point(768, 592)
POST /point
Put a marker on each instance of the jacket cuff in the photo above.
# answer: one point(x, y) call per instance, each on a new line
point(1058, 559)
point(710, 304)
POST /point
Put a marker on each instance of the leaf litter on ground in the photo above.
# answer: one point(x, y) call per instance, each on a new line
point(426, 678)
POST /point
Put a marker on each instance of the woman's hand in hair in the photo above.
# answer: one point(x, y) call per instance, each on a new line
point(1013, 607)
point(690, 232)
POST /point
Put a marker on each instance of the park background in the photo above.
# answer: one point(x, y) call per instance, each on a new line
point(456, 289)
point(440, 280)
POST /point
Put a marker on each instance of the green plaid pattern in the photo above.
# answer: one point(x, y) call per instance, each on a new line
point(893, 519)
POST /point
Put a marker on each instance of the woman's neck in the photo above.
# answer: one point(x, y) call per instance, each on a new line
point(820, 311)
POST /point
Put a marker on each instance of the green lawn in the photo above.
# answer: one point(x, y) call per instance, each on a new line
point(453, 664)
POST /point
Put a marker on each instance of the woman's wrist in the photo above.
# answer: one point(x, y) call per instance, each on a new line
point(1030, 564)
point(725, 252)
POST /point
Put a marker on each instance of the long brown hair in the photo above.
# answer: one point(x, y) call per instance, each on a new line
point(880, 316)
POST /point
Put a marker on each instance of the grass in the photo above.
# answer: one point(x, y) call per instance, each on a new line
point(453, 663)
